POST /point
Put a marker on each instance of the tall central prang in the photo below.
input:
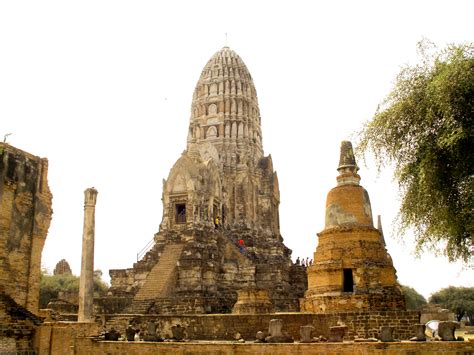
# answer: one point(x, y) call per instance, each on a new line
point(239, 185)
point(220, 230)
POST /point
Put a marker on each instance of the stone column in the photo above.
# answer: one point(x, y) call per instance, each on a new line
point(86, 283)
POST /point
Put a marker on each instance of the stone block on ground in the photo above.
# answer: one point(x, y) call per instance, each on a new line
point(130, 333)
point(276, 335)
point(336, 333)
point(305, 333)
point(178, 332)
point(260, 337)
point(446, 330)
point(386, 334)
point(112, 335)
point(419, 330)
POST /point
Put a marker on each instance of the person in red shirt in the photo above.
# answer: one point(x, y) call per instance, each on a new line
point(241, 245)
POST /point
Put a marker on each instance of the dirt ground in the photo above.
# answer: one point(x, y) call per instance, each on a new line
point(462, 332)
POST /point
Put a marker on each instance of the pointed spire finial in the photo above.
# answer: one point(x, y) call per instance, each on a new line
point(347, 158)
point(347, 165)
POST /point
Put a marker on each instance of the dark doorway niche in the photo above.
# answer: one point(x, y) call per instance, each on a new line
point(348, 281)
point(180, 213)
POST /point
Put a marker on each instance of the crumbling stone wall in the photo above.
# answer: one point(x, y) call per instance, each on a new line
point(62, 337)
point(25, 215)
point(208, 273)
point(224, 326)
point(17, 327)
point(90, 346)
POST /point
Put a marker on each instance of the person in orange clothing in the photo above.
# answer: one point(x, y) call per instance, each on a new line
point(241, 245)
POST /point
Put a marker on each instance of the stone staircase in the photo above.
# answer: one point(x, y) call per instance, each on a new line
point(157, 282)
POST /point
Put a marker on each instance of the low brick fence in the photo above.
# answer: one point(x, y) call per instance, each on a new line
point(88, 346)
point(225, 326)
point(78, 338)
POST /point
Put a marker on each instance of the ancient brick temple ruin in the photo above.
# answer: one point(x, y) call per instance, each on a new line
point(218, 250)
point(25, 215)
point(352, 269)
point(220, 231)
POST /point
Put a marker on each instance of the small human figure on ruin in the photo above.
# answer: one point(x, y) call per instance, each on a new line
point(241, 245)
point(297, 260)
point(307, 261)
point(303, 262)
point(311, 262)
point(216, 222)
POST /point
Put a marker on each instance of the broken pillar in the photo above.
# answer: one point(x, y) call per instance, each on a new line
point(86, 282)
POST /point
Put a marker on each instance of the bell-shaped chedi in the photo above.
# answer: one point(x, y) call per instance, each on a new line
point(352, 270)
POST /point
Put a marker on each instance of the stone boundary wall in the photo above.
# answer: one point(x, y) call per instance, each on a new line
point(224, 326)
point(16, 338)
point(367, 324)
point(89, 346)
point(61, 337)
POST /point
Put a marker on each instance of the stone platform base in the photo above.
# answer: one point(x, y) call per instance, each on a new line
point(89, 346)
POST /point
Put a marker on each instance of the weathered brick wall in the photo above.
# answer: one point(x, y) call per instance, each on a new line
point(367, 324)
point(88, 346)
point(16, 337)
point(25, 215)
point(224, 327)
point(61, 337)
point(17, 327)
point(386, 299)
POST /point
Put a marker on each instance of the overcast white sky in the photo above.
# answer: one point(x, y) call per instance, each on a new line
point(103, 90)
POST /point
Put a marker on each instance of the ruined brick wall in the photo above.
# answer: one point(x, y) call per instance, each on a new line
point(79, 338)
point(89, 346)
point(25, 215)
point(224, 326)
point(367, 324)
point(17, 327)
point(208, 271)
point(386, 299)
point(61, 337)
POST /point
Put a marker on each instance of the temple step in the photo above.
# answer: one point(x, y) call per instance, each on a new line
point(161, 274)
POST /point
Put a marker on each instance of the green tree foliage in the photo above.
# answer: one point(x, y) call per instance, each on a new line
point(413, 299)
point(51, 285)
point(424, 128)
point(459, 300)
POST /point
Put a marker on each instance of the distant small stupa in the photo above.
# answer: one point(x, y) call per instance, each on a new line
point(62, 267)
